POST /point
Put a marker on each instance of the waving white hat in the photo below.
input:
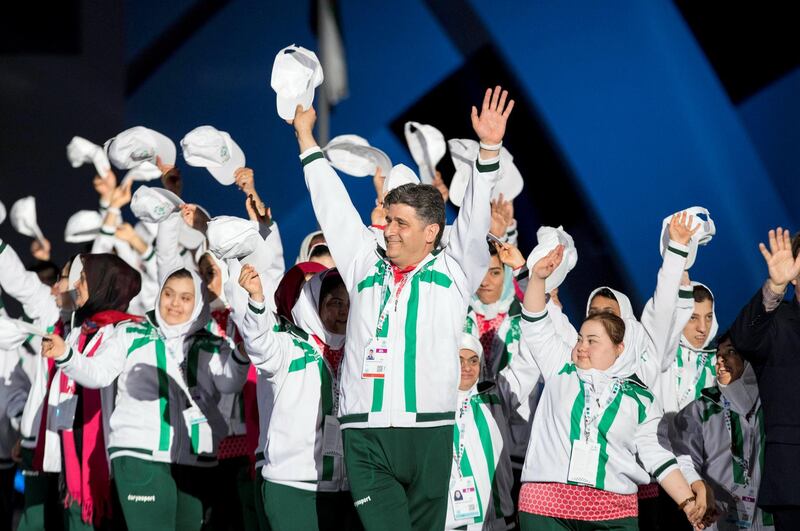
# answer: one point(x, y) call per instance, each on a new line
point(231, 237)
point(702, 237)
point(139, 144)
point(464, 152)
point(214, 150)
point(144, 172)
point(400, 175)
point(352, 154)
point(549, 238)
point(2, 212)
point(427, 147)
point(81, 151)
point(153, 205)
point(83, 226)
point(296, 72)
point(23, 218)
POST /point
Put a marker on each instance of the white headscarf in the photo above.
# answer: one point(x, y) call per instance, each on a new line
point(175, 334)
point(306, 312)
point(501, 305)
point(305, 246)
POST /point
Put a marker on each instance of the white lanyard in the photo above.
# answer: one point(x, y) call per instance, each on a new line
point(462, 425)
point(587, 408)
point(745, 463)
point(394, 295)
point(703, 357)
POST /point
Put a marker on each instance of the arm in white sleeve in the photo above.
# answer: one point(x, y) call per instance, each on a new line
point(466, 244)
point(564, 328)
point(346, 235)
point(229, 369)
point(19, 384)
point(517, 380)
point(101, 369)
point(104, 242)
point(168, 257)
point(548, 349)
point(270, 351)
point(25, 286)
point(660, 313)
point(656, 460)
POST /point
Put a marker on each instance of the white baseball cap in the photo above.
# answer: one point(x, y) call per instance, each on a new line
point(296, 72)
point(427, 147)
point(231, 237)
point(549, 238)
point(83, 226)
point(153, 205)
point(2, 212)
point(23, 218)
point(400, 175)
point(464, 152)
point(352, 154)
point(702, 237)
point(139, 144)
point(144, 172)
point(215, 150)
point(81, 151)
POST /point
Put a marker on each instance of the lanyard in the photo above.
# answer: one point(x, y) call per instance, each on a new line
point(587, 409)
point(459, 453)
point(701, 366)
point(745, 463)
point(394, 297)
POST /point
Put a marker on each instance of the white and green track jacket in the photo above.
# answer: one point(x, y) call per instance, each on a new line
point(481, 430)
point(625, 429)
point(153, 391)
point(423, 329)
point(302, 450)
point(720, 438)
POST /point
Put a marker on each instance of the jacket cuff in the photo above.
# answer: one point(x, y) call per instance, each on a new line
point(664, 470)
point(533, 317)
point(771, 299)
point(678, 248)
point(64, 358)
point(311, 154)
point(489, 165)
point(256, 307)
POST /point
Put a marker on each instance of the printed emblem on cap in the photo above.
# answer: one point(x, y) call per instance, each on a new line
point(160, 210)
point(140, 155)
point(224, 154)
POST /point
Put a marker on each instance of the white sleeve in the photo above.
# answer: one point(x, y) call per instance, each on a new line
point(346, 235)
point(656, 460)
point(101, 369)
point(659, 316)
point(229, 369)
point(517, 380)
point(549, 350)
point(25, 286)
point(267, 349)
point(168, 257)
point(560, 320)
point(104, 242)
point(466, 243)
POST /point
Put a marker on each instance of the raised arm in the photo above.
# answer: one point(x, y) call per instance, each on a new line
point(345, 233)
point(168, 257)
point(25, 286)
point(752, 331)
point(121, 196)
point(467, 241)
point(659, 317)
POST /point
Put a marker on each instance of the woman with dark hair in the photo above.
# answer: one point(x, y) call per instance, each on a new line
point(78, 417)
point(166, 425)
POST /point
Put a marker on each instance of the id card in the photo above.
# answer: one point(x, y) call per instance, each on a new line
point(197, 424)
point(464, 498)
point(64, 416)
point(583, 463)
point(376, 357)
point(332, 437)
point(744, 512)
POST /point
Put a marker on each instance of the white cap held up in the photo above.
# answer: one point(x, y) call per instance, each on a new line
point(215, 150)
point(296, 72)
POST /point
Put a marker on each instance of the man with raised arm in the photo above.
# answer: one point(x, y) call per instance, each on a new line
point(408, 303)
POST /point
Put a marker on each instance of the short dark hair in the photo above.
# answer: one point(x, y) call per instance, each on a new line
point(615, 326)
point(319, 250)
point(796, 245)
point(424, 199)
point(46, 270)
point(702, 293)
point(492, 248)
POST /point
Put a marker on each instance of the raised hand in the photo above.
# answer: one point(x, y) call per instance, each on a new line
point(245, 180)
point(41, 249)
point(502, 216)
point(680, 228)
point(258, 211)
point(104, 185)
point(121, 195)
point(783, 267)
point(53, 346)
point(251, 282)
point(490, 124)
point(438, 183)
point(547, 264)
point(509, 255)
